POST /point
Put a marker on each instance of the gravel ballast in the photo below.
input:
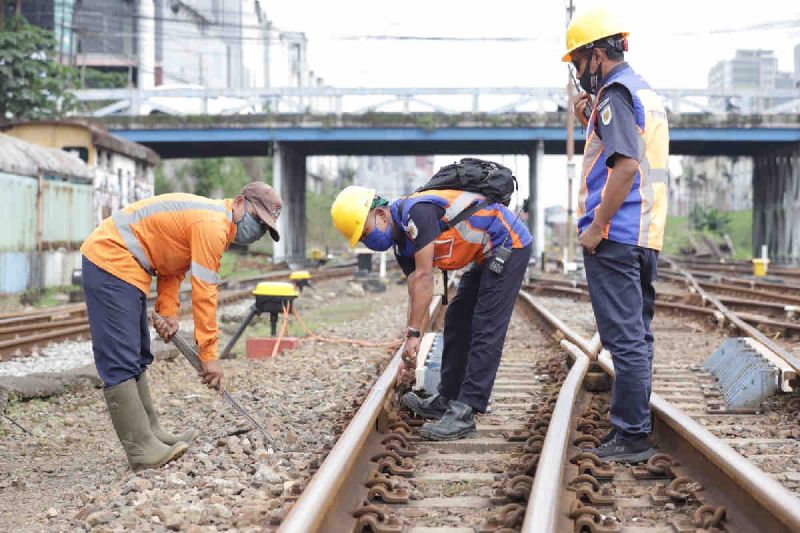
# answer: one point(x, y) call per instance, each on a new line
point(71, 474)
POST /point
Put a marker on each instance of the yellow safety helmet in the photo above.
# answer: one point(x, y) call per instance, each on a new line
point(349, 212)
point(590, 26)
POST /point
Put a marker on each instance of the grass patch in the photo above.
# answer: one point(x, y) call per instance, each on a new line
point(320, 318)
point(676, 235)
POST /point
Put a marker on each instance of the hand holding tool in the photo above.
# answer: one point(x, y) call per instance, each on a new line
point(191, 355)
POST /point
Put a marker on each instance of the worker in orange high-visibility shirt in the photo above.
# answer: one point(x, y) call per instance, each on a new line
point(165, 236)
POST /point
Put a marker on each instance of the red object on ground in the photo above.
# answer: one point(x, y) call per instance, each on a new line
point(262, 347)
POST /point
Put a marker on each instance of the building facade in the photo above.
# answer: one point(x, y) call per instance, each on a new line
point(755, 70)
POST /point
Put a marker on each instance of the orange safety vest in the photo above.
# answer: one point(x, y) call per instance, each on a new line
point(470, 240)
point(166, 236)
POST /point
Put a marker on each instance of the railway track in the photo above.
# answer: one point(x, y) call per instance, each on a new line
point(23, 332)
point(697, 481)
point(531, 448)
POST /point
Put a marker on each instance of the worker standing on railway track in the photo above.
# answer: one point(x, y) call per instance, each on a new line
point(419, 228)
point(622, 209)
point(165, 236)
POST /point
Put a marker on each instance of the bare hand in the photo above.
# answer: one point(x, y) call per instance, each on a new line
point(165, 326)
point(581, 101)
point(212, 374)
point(410, 349)
point(406, 375)
point(591, 237)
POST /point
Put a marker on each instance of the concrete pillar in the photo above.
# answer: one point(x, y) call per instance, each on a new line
point(535, 207)
point(289, 178)
point(776, 204)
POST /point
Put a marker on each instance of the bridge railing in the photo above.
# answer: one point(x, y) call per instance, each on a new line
point(332, 100)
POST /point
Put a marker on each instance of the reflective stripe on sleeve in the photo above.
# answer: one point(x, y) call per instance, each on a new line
point(204, 274)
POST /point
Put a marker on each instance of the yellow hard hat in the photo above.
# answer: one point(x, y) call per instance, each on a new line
point(349, 212)
point(589, 26)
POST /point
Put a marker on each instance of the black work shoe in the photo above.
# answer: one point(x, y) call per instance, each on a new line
point(456, 423)
point(432, 408)
point(619, 451)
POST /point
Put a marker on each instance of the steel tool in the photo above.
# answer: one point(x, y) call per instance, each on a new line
point(191, 355)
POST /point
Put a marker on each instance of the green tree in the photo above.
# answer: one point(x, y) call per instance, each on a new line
point(33, 85)
point(225, 176)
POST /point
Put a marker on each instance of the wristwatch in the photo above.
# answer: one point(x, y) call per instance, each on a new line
point(411, 332)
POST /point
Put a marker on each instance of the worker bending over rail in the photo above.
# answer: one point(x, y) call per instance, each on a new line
point(164, 236)
point(622, 211)
point(426, 235)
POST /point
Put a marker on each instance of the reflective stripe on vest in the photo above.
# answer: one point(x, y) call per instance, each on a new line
point(123, 221)
point(642, 217)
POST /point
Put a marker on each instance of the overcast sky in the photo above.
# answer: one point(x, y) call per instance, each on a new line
point(673, 44)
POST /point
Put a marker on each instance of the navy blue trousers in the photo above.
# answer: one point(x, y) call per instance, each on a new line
point(475, 326)
point(118, 324)
point(620, 278)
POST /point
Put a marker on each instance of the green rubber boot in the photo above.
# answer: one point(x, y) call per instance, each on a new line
point(130, 421)
point(164, 436)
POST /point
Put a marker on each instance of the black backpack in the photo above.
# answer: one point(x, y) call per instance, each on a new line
point(487, 178)
point(492, 180)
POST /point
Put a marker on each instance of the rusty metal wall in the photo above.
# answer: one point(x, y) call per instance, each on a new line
point(67, 220)
point(68, 214)
point(776, 205)
point(17, 212)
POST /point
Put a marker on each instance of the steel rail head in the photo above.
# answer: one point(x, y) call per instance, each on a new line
point(556, 322)
point(776, 500)
point(309, 511)
point(543, 504)
point(774, 497)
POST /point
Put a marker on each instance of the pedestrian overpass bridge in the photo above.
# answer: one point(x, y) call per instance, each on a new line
point(292, 124)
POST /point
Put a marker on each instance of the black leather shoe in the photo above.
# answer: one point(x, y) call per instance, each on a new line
point(456, 423)
point(621, 451)
point(431, 408)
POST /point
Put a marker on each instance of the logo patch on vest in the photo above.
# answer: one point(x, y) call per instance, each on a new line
point(605, 115)
point(412, 230)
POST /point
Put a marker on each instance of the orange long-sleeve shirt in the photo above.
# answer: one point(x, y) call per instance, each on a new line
point(166, 236)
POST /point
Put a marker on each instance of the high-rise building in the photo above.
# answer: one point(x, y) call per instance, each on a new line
point(210, 43)
point(749, 69)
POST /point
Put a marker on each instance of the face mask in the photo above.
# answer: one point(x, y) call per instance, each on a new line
point(377, 240)
point(590, 82)
point(248, 229)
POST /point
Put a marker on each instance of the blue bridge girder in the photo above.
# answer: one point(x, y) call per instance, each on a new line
point(398, 140)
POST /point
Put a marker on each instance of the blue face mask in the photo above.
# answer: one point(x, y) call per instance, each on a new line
point(377, 240)
point(248, 229)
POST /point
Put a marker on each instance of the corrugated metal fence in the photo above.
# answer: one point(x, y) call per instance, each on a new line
point(31, 259)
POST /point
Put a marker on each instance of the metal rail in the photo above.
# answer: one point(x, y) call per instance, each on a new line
point(731, 316)
point(779, 505)
point(754, 496)
point(543, 503)
point(309, 512)
point(60, 329)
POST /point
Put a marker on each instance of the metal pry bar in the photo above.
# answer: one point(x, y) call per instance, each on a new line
point(191, 355)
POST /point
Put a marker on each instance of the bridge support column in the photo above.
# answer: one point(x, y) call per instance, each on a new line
point(776, 204)
point(535, 208)
point(289, 177)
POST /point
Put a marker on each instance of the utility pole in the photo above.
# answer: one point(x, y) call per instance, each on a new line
point(570, 150)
